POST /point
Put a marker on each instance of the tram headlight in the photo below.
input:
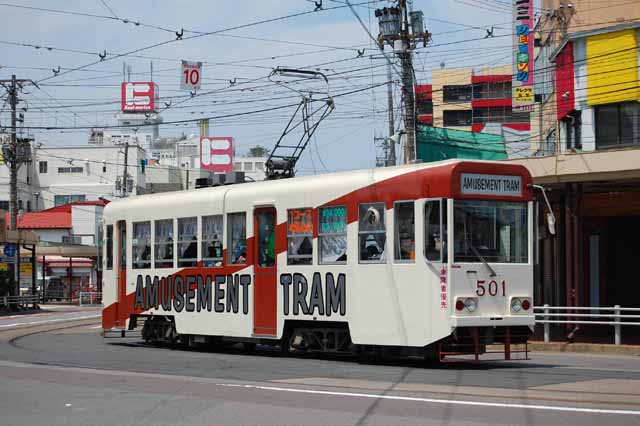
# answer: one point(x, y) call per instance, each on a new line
point(471, 304)
point(516, 304)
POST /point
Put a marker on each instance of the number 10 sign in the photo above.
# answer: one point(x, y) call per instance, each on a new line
point(191, 75)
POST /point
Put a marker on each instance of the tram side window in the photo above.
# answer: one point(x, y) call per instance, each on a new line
point(164, 243)
point(372, 234)
point(188, 241)
point(237, 235)
point(332, 234)
point(300, 236)
point(405, 231)
point(141, 245)
point(212, 240)
point(435, 233)
point(109, 244)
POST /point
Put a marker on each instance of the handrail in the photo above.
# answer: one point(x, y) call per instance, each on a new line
point(573, 315)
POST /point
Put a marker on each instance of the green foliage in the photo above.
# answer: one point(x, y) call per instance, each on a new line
point(258, 151)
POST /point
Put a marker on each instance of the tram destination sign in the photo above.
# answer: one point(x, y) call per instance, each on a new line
point(481, 184)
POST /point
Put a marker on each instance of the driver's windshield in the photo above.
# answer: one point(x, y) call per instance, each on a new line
point(491, 231)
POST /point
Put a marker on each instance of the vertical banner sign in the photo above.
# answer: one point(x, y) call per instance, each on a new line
point(216, 154)
point(190, 75)
point(523, 94)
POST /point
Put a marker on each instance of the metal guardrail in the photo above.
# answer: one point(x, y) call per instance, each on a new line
point(89, 298)
point(20, 301)
point(581, 314)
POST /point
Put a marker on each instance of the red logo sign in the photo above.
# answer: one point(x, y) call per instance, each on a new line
point(216, 154)
point(139, 97)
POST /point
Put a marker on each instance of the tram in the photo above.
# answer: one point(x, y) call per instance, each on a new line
point(424, 259)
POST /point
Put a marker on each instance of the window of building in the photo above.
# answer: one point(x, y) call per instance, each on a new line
point(497, 90)
point(372, 235)
point(19, 204)
point(404, 247)
point(259, 165)
point(332, 234)
point(424, 107)
point(248, 166)
point(617, 125)
point(109, 247)
point(42, 166)
point(59, 200)
point(237, 235)
point(544, 82)
point(4, 205)
point(453, 118)
point(300, 236)
point(164, 243)
point(435, 232)
point(237, 166)
point(456, 93)
point(70, 169)
point(188, 241)
point(212, 240)
point(141, 245)
point(28, 205)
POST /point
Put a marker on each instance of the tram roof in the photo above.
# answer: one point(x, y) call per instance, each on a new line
point(307, 184)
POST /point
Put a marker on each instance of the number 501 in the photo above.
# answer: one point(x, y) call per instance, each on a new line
point(492, 288)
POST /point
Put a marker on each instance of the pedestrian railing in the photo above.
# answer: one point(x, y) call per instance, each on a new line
point(15, 302)
point(615, 316)
point(90, 298)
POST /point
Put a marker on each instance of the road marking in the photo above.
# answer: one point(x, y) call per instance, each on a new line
point(435, 400)
point(49, 321)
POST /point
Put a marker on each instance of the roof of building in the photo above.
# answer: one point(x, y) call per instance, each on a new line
point(582, 34)
point(58, 217)
point(67, 207)
point(43, 220)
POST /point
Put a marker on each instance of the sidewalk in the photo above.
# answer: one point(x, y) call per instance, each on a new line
point(596, 348)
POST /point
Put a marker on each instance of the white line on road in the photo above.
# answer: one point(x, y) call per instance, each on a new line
point(49, 321)
point(435, 401)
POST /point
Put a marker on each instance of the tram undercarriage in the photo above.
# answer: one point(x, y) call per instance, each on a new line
point(464, 344)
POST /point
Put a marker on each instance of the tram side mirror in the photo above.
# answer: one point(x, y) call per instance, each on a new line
point(551, 223)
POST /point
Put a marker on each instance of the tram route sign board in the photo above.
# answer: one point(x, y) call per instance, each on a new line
point(481, 184)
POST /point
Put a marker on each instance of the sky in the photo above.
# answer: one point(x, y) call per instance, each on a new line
point(327, 41)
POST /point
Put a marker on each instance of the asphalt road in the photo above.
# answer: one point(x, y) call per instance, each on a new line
point(72, 376)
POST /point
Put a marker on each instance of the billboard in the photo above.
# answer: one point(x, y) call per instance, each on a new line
point(139, 97)
point(216, 154)
point(522, 87)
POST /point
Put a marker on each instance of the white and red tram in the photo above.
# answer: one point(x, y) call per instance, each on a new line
point(426, 258)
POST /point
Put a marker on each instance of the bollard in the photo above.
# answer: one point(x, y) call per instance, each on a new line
point(617, 326)
point(547, 326)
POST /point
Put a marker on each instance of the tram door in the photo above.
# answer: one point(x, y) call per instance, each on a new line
point(265, 287)
point(122, 273)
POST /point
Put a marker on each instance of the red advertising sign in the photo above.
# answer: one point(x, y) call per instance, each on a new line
point(216, 154)
point(139, 97)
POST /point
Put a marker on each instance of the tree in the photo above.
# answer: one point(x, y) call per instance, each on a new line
point(258, 151)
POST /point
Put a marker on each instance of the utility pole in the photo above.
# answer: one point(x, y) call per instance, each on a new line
point(391, 160)
point(402, 29)
point(14, 157)
point(407, 84)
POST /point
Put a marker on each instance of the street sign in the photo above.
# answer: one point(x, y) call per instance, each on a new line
point(190, 76)
point(10, 250)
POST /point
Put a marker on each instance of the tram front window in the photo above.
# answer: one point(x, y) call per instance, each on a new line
point(491, 231)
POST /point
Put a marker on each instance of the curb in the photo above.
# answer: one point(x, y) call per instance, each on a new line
point(592, 348)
